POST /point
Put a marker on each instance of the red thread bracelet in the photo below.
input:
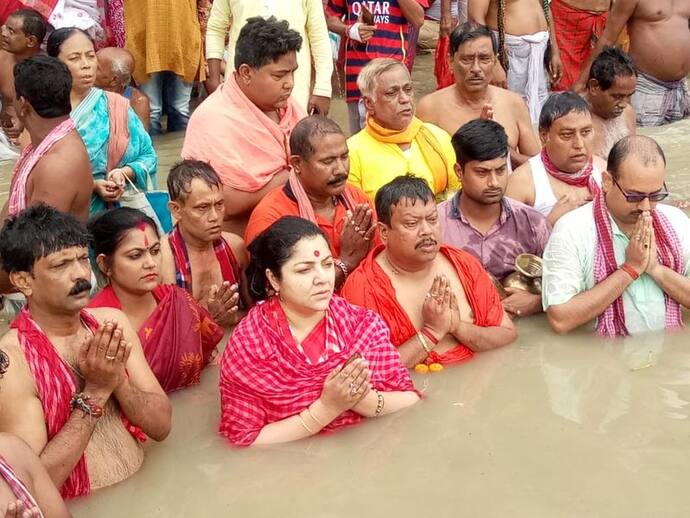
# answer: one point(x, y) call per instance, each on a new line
point(630, 271)
point(431, 337)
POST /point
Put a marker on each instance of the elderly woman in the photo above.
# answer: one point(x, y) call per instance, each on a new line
point(394, 142)
point(115, 138)
point(304, 361)
point(178, 335)
point(243, 128)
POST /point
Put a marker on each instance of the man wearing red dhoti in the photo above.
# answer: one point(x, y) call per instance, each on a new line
point(178, 335)
point(83, 396)
point(304, 361)
point(438, 301)
point(205, 261)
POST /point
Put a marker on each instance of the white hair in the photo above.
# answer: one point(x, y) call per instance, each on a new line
point(366, 81)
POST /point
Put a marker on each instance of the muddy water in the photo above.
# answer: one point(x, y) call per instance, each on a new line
point(549, 426)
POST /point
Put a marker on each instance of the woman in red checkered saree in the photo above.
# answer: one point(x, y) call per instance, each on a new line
point(304, 361)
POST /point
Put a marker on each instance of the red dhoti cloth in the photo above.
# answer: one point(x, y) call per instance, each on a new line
point(577, 32)
point(370, 287)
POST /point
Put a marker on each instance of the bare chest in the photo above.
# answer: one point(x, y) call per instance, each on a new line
point(560, 189)
point(6, 79)
point(451, 118)
point(205, 273)
point(661, 10)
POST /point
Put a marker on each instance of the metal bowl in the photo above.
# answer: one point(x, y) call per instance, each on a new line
point(529, 265)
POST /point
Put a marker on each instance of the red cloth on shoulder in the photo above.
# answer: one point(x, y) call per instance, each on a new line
point(370, 287)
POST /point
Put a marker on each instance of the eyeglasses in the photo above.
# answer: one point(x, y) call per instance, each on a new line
point(639, 197)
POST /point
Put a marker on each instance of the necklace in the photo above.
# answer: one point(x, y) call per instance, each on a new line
point(395, 270)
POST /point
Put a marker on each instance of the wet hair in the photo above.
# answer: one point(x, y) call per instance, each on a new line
point(366, 80)
point(37, 232)
point(265, 40)
point(33, 23)
point(559, 105)
point(401, 188)
point(469, 31)
point(611, 63)
point(109, 228)
point(308, 128)
point(480, 139)
point(271, 249)
point(46, 84)
point(182, 174)
point(645, 149)
point(60, 36)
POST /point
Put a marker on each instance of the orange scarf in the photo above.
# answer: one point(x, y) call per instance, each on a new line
point(427, 142)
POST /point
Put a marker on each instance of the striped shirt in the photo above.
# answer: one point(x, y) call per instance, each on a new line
point(389, 40)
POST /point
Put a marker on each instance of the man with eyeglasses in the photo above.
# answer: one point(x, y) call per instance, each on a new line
point(624, 259)
point(565, 175)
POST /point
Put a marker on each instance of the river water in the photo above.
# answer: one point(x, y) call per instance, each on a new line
point(549, 426)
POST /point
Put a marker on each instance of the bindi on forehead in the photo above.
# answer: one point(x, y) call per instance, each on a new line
point(142, 227)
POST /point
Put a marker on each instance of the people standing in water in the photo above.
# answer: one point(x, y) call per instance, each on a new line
point(438, 301)
point(622, 260)
point(177, 335)
point(481, 220)
point(611, 84)
point(117, 143)
point(82, 394)
point(566, 174)
point(304, 360)
point(318, 191)
point(660, 48)
point(472, 96)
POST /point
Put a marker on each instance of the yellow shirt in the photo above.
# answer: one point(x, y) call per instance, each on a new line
point(373, 164)
point(304, 16)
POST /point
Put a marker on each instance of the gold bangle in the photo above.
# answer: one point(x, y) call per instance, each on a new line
point(305, 424)
point(321, 425)
point(425, 344)
point(379, 404)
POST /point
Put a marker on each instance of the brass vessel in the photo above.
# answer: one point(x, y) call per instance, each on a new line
point(527, 276)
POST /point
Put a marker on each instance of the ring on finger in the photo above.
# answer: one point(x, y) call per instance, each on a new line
point(110, 358)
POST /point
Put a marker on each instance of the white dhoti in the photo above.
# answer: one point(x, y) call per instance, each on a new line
point(526, 71)
point(7, 150)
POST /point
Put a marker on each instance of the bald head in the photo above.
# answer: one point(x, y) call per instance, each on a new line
point(635, 151)
point(115, 68)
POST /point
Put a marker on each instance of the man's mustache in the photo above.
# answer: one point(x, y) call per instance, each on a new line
point(338, 179)
point(80, 286)
point(425, 242)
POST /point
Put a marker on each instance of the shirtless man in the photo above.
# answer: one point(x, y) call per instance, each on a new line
point(84, 420)
point(524, 34)
point(55, 169)
point(472, 97)
point(659, 33)
point(20, 38)
point(25, 486)
point(612, 81)
point(565, 174)
point(438, 301)
point(114, 73)
point(206, 261)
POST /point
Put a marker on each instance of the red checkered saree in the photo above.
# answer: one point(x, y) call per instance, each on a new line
point(612, 321)
point(265, 378)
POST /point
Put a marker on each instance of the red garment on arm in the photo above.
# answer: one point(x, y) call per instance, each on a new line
point(370, 287)
point(264, 377)
point(178, 338)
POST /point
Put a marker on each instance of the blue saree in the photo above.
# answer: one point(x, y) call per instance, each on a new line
point(93, 124)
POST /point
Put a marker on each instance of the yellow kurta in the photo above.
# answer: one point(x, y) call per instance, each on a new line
point(304, 16)
point(164, 36)
point(373, 164)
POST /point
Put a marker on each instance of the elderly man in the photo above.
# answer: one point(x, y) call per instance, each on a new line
point(318, 191)
point(55, 167)
point(624, 259)
point(206, 261)
point(438, 301)
point(473, 60)
point(114, 73)
point(482, 221)
point(81, 393)
point(304, 16)
point(375, 29)
point(242, 129)
point(395, 142)
point(565, 174)
point(612, 81)
point(20, 38)
point(660, 49)
point(578, 25)
point(526, 39)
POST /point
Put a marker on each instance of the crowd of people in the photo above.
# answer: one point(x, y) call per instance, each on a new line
point(334, 264)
